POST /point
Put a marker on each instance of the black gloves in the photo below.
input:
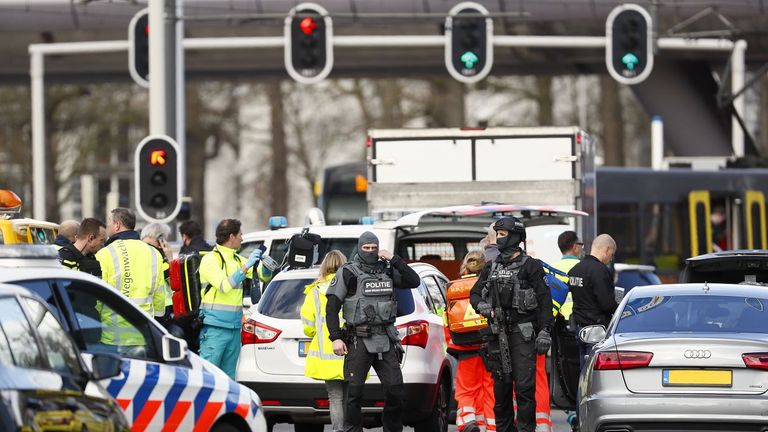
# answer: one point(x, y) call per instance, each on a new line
point(543, 342)
point(484, 309)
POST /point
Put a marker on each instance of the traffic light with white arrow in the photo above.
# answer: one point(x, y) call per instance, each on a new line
point(629, 44)
point(157, 180)
point(468, 42)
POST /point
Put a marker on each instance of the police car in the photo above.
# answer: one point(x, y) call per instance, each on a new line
point(162, 386)
point(274, 351)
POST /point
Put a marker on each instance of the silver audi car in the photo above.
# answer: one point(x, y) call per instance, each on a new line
point(687, 357)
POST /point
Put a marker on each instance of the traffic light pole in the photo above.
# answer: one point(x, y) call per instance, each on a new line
point(39, 51)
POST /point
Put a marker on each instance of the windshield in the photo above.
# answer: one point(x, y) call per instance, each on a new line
point(347, 246)
point(283, 299)
point(694, 313)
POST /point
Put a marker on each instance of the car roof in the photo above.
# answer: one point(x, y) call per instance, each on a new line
point(702, 288)
point(728, 255)
point(23, 255)
point(7, 289)
point(314, 271)
point(351, 231)
point(620, 267)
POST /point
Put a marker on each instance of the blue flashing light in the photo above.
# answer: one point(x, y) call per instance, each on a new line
point(276, 222)
point(366, 220)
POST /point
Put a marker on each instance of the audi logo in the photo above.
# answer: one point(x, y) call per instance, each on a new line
point(697, 354)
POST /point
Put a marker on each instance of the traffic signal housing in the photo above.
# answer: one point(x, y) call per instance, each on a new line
point(468, 42)
point(158, 180)
point(308, 35)
point(629, 44)
point(138, 48)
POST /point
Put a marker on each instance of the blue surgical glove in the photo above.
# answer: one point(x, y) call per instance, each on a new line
point(253, 258)
point(236, 278)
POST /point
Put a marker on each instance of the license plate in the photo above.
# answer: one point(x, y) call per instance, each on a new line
point(303, 347)
point(697, 377)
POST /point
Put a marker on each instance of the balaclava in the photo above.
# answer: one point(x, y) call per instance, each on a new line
point(516, 234)
point(368, 257)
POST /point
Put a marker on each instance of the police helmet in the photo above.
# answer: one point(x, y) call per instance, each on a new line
point(512, 224)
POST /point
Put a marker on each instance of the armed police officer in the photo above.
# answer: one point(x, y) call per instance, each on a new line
point(363, 290)
point(512, 294)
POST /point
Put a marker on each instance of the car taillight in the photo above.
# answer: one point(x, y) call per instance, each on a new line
point(266, 402)
point(756, 360)
point(322, 403)
point(414, 333)
point(257, 333)
point(619, 360)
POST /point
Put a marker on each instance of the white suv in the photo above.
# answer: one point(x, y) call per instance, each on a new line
point(274, 348)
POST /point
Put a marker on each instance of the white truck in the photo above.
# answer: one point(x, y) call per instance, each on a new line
point(545, 175)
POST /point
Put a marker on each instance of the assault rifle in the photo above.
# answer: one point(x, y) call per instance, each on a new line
point(498, 325)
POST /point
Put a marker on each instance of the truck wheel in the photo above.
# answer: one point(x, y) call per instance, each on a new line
point(438, 419)
point(308, 427)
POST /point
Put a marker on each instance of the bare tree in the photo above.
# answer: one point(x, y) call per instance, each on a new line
point(279, 195)
point(613, 122)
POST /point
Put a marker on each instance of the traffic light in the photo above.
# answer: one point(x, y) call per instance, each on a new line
point(158, 180)
point(308, 43)
point(629, 44)
point(468, 42)
point(138, 48)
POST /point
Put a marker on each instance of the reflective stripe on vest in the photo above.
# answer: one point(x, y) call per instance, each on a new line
point(220, 307)
point(319, 323)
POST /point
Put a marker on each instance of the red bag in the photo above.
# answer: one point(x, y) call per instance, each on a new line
point(185, 283)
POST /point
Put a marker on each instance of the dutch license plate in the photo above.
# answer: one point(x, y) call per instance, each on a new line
point(303, 347)
point(697, 377)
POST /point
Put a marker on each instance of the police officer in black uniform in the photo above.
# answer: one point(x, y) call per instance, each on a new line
point(517, 281)
point(80, 254)
point(592, 288)
point(364, 288)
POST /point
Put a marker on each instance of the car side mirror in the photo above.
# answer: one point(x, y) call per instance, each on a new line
point(247, 302)
point(174, 349)
point(592, 334)
point(104, 366)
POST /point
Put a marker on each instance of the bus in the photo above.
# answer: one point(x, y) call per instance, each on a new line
point(343, 198)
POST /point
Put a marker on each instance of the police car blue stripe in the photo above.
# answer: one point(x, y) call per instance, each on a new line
point(204, 394)
point(142, 395)
point(179, 384)
point(117, 384)
point(233, 396)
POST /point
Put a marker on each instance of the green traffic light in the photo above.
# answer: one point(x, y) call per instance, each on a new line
point(469, 59)
point(630, 61)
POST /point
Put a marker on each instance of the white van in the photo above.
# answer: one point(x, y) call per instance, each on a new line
point(440, 236)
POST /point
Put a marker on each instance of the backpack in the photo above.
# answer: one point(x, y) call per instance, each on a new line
point(185, 284)
point(464, 324)
point(304, 250)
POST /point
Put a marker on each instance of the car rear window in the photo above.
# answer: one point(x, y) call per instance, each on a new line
point(283, 299)
point(695, 313)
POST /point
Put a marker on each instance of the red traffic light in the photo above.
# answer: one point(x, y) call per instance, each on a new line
point(307, 26)
point(157, 157)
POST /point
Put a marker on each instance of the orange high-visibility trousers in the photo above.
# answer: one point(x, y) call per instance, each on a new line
point(543, 415)
point(474, 394)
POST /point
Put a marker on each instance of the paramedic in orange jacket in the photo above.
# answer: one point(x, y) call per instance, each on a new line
point(474, 385)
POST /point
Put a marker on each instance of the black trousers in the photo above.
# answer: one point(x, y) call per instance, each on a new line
point(357, 363)
point(523, 353)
